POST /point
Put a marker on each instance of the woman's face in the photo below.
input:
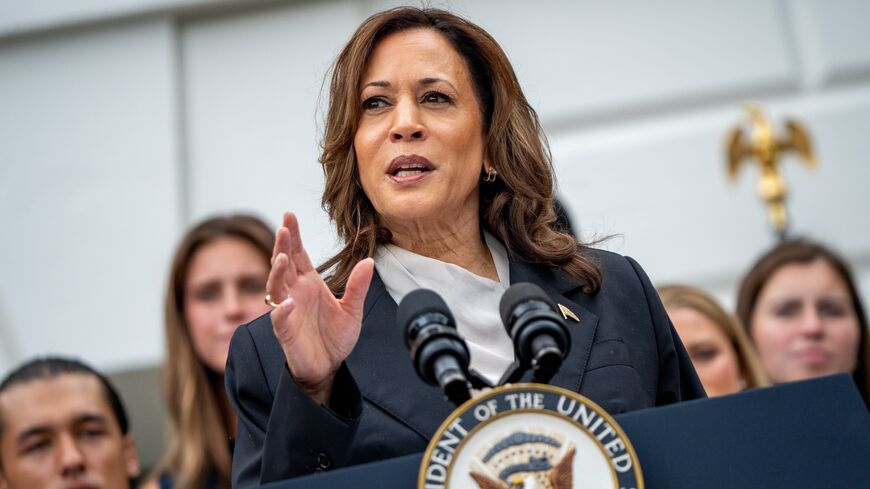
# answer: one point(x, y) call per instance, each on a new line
point(226, 283)
point(419, 145)
point(712, 354)
point(804, 324)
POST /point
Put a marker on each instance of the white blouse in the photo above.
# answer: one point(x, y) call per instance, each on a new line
point(472, 299)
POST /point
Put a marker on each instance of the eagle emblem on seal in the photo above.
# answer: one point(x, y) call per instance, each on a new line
point(525, 460)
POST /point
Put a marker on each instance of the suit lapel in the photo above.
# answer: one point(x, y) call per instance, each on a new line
point(382, 368)
point(381, 364)
point(564, 290)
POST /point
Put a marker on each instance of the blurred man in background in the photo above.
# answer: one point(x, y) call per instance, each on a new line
point(62, 425)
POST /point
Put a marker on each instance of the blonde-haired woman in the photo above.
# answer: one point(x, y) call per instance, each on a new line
point(216, 283)
point(721, 352)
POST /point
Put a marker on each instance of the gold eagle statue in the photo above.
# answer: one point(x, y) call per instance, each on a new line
point(765, 147)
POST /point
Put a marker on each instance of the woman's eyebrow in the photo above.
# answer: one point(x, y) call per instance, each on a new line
point(433, 80)
point(208, 283)
point(429, 80)
point(377, 83)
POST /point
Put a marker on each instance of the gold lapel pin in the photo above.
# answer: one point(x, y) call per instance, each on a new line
point(568, 313)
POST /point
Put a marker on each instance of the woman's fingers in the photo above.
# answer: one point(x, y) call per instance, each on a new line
point(282, 236)
point(275, 281)
point(297, 252)
point(290, 273)
point(281, 278)
point(280, 320)
point(282, 243)
point(288, 240)
point(358, 286)
point(275, 245)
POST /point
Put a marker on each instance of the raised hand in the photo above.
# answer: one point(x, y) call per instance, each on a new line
point(316, 330)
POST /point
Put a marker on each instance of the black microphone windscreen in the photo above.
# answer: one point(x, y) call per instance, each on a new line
point(421, 301)
point(518, 293)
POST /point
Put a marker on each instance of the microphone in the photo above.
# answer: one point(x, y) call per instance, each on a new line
point(439, 354)
point(539, 334)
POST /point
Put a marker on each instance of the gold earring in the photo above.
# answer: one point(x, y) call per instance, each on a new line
point(490, 175)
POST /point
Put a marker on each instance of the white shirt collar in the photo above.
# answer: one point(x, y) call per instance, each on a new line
point(473, 299)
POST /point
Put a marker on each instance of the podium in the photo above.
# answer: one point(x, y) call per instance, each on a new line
point(810, 434)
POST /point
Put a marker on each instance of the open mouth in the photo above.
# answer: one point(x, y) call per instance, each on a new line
point(411, 170)
point(409, 166)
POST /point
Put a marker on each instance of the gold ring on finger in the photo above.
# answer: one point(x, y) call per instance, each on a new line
point(270, 302)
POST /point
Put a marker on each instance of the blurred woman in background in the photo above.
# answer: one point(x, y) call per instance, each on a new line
point(802, 310)
point(217, 282)
point(721, 352)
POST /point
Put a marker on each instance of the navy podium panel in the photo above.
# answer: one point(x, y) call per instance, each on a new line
point(811, 434)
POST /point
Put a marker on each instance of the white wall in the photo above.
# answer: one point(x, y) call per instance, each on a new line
point(89, 194)
point(252, 84)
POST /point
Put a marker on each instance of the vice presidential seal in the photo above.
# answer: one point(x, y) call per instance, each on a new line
point(530, 436)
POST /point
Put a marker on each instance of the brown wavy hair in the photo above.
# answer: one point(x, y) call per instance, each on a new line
point(683, 296)
point(803, 251)
point(196, 400)
point(517, 208)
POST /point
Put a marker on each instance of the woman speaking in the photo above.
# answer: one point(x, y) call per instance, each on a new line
point(438, 176)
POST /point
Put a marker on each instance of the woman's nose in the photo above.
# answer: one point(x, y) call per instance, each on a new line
point(407, 125)
point(232, 304)
point(812, 323)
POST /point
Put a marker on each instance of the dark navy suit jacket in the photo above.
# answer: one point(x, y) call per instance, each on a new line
point(624, 356)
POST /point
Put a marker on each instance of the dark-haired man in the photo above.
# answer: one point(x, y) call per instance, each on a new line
point(62, 425)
